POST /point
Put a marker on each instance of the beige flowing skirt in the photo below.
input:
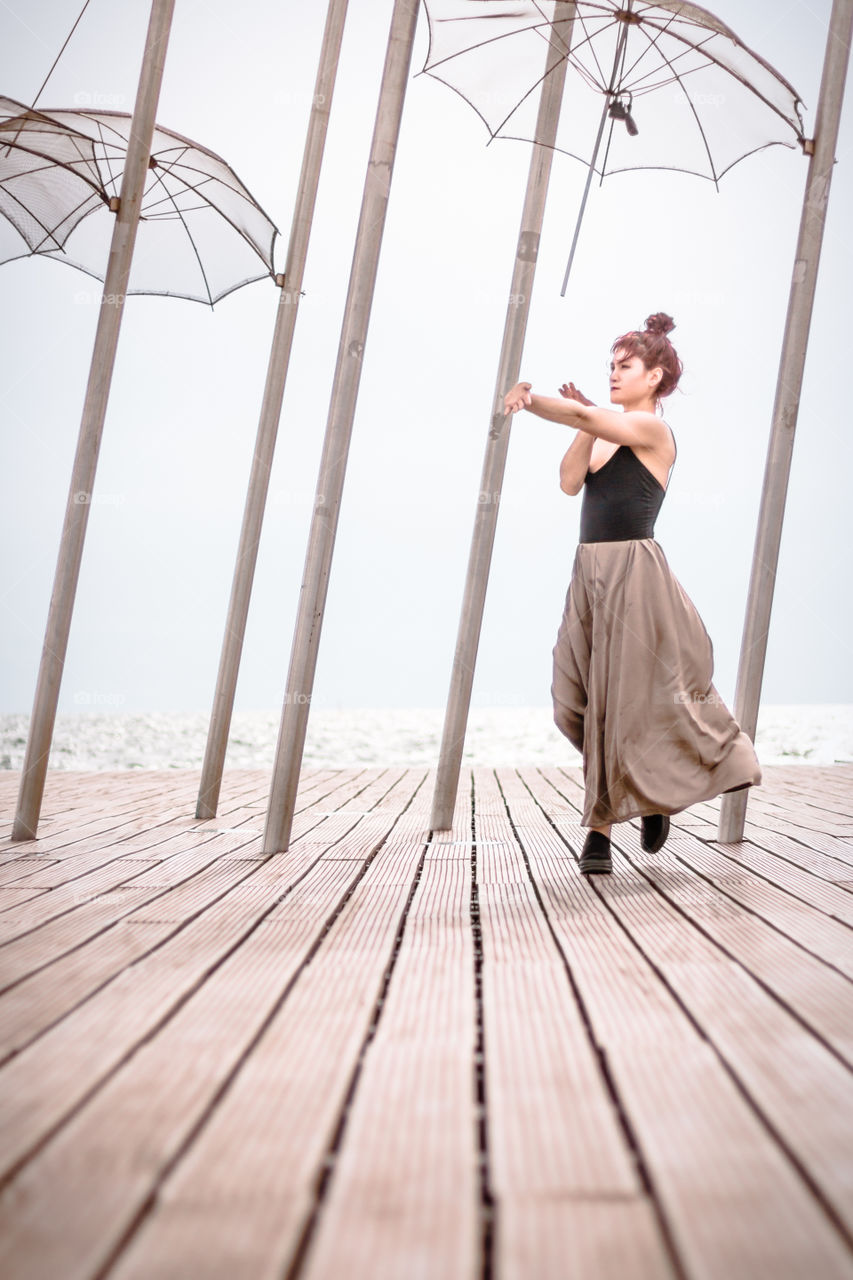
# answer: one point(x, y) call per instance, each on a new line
point(632, 689)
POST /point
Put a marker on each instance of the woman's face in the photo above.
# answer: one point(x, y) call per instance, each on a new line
point(630, 381)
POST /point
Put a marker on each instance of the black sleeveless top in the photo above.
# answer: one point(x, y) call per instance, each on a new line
point(621, 500)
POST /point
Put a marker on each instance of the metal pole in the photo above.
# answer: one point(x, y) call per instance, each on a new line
point(282, 342)
point(91, 425)
point(318, 561)
point(787, 402)
point(497, 444)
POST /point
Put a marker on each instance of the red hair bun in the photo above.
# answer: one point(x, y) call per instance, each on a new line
point(660, 323)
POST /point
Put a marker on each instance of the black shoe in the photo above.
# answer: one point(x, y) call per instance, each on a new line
point(655, 832)
point(595, 858)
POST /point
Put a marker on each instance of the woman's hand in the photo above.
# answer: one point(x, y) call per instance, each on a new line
point(518, 398)
point(570, 392)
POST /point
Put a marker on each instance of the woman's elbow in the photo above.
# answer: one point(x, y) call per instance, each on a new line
point(571, 487)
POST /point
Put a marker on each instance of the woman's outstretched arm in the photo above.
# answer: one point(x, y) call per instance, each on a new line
point(632, 428)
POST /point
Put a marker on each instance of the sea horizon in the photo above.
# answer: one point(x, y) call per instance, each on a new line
point(341, 737)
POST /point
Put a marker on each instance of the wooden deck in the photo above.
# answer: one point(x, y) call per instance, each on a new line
point(390, 1056)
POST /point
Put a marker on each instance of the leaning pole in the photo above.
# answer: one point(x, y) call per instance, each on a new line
point(282, 343)
point(497, 444)
point(787, 402)
point(330, 482)
point(67, 573)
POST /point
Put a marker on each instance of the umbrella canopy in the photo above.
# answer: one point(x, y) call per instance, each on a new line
point(659, 86)
point(201, 233)
point(679, 89)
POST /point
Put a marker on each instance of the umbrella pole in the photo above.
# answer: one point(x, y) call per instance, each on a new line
point(91, 425)
point(497, 444)
point(585, 197)
point(618, 63)
point(318, 561)
point(282, 342)
point(787, 401)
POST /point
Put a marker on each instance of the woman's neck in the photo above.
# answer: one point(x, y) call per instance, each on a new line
point(645, 405)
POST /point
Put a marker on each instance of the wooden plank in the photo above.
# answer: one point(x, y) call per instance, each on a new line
point(834, 867)
point(113, 805)
point(54, 938)
point(194, 1031)
point(728, 908)
point(555, 1145)
point(23, 866)
point(753, 1215)
point(769, 1053)
point(802, 884)
point(102, 804)
point(295, 1070)
point(825, 938)
point(819, 995)
point(829, 837)
point(79, 1051)
point(96, 1188)
point(42, 997)
point(403, 1198)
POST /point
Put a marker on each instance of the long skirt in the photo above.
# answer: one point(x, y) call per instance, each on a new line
point(632, 689)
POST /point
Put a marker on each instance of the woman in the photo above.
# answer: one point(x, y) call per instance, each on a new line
point(633, 662)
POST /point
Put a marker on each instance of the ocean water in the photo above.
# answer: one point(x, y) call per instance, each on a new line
point(342, 738)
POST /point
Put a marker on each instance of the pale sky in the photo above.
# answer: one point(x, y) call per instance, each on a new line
point(182, 418)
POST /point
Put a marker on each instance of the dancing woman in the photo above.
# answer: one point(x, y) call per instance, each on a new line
point(633, 662)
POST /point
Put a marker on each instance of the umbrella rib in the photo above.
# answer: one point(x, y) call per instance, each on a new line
point(480, 44)
point(537, 28)
point(67, 218)
point(550, 24)
point(114, 175)
point(189, 237)
point(714, 175)
point(47, 232)
point(587, 42)
point(689, 46)
point(210, 205)
point(652, 43)
point(670, 62)
point(675, 35)
point(52, 162)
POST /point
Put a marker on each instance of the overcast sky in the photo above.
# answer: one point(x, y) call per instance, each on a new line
point(182, 418)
